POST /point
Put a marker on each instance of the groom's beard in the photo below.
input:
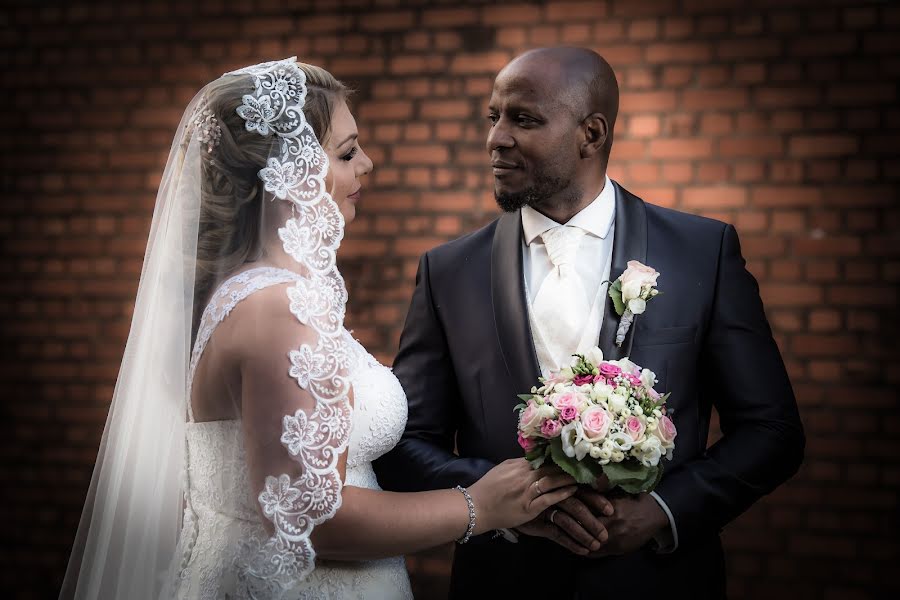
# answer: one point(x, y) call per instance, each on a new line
point(537, 195)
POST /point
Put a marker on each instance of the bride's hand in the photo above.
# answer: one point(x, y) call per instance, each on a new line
point(513, 493)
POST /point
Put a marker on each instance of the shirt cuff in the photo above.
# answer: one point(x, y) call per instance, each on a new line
point(667, 539)
point(510, 535)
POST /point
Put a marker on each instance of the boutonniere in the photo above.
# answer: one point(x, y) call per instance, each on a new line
point(630, 294)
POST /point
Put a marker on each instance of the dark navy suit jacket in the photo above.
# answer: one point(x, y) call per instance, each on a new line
point(466, 350)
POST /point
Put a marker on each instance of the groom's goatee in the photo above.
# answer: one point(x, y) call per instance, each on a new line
point(544, 187)
point(535, 196)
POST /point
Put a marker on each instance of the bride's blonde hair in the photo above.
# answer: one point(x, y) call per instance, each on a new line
point(231, 191)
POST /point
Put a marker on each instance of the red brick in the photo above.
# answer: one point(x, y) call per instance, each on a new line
point(486, 62)
point(680, 148)
point(449, 17)
point(791, 294)
point(648, 101)
point(783, 196)
point(448, 109)
point(575, 11)
point(823, 145)
point(511, 14)
point(759, 146)
point(388, 21)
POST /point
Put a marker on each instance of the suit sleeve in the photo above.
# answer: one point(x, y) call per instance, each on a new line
point(424, 458)
point(742, 373)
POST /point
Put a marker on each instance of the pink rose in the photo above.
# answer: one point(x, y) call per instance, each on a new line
point(596, 423)
point(568, 413)
point(634, 428)
point(551, 428)
point(609, 370)
point(555, 377)
point(583, 379)
point(665, 430)
point(600, 379)
point(654, 395)
point(573, 399)
point(529, 418)
point(527, 444)
point(635, 278)
point(634, 379)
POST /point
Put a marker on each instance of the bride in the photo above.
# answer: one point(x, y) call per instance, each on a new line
point(236, 459)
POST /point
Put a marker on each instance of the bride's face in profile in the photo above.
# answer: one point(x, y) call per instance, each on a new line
point(347, 160)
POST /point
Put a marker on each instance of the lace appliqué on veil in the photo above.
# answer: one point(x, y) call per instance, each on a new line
point(316, 439)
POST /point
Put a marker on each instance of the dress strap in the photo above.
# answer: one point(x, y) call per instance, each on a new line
point(226, 297)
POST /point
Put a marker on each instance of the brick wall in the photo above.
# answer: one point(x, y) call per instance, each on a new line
point(780, 117)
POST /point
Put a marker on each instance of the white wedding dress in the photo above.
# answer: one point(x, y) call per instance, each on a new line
point(221, 507)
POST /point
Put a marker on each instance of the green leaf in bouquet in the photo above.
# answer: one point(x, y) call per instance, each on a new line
point(537, 462)
point(632, 476)
point(525, 397)
point(535, 453)
point(584, 471)
point(519, 407)
point(582, 366)
point(615, 292)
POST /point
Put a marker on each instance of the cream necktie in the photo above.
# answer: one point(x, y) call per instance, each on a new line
point(561, 305)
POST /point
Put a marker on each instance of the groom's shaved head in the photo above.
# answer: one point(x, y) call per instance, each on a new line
point(584, 81)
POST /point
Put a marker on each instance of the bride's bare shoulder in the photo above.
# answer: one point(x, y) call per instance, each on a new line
point(263, 322)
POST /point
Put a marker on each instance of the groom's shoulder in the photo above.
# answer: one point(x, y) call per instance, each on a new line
point(464, 247)
point(689, 222)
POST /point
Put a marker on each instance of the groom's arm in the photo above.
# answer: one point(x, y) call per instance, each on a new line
point(743, 373)
point(424, 458)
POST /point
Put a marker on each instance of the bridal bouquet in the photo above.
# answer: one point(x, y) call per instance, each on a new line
point(596, 417)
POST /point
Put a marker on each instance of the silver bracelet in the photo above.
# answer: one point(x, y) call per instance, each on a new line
point(471, 526)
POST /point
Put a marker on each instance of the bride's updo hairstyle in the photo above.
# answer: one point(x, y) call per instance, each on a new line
point(231, 191)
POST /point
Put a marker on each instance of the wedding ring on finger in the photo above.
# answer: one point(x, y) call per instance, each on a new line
point(537, 486)
point(553, 515)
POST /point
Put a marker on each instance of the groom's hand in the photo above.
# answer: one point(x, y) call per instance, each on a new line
point(574, 523)
point(634, 522)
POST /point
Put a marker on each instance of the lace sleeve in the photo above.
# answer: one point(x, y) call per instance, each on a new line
point(296, 415)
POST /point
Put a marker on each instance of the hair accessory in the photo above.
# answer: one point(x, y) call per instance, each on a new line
point(209, 131)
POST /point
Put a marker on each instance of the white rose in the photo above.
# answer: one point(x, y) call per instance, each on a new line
point(594, 356)
point(648, 378)
point(637, 306)
point(627, 366)
point(631, 290)
point(546, 411)
point(616, 403)
point(601, 392)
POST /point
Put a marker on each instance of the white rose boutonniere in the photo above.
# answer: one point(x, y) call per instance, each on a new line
point(630, 294)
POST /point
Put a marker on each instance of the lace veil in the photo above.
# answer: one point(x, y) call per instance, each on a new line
point(127, 544)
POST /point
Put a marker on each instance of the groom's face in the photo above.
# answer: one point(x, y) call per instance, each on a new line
point(533, 137)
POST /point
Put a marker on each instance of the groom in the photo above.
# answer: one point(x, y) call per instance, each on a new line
point(494, 310)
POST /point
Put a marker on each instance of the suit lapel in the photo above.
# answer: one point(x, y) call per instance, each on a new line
point(629, 243)
point(509, 304)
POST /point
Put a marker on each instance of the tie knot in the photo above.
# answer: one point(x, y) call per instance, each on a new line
point(562, 243)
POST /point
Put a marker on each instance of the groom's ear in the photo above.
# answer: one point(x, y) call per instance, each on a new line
point(595, 130)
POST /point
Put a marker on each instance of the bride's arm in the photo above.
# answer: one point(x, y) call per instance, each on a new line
point(369, 523)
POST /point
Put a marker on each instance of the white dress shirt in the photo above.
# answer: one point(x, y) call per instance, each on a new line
point(593, 261)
